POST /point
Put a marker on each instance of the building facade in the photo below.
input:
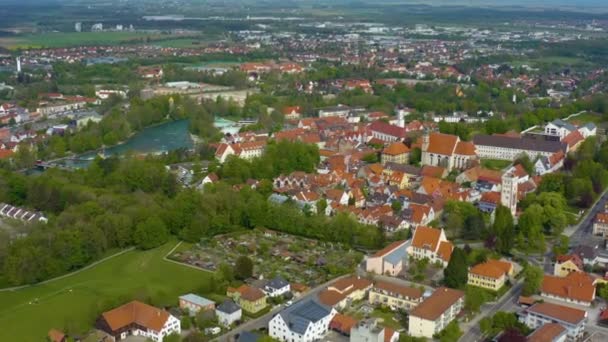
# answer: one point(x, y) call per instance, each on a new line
point(305, 321)
point(436, 312)
point(574, 320)
point(395, 296)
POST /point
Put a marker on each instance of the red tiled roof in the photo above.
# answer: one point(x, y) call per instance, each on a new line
point(136, 312)
point(492, 268)
point(437, 303)
point(443, 144)
point(396, 148)
point(426, 238)
point(576, 285)
point(561, 312)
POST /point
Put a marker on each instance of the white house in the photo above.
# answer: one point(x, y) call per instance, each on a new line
point(574, 320)
point(228, 312)
point(431, 243)
point(138, 319)
point(436, 312)
point(276, 287)
point(560, 128)
point(305, 321)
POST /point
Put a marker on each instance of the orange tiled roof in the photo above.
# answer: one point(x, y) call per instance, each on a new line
point(561, 312)
point(576, 285)
point(465, 148)
point(491, 197)
point(548, 332)
point(492, 268)
point(432, 171)
point(136, 312)
point(430, 184)
point(437, 303)
point(443, 144)
point(445, 250)
point(396, 148)
point(56, 335)
point(427, 238)
point(248, 293)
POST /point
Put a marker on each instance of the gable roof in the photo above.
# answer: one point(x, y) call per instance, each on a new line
point(136, 312)
point(198, 300)
point(426, 238)
point(386, 250)
point(301, 314)
point(228, 306)
point(560, 312)
point(443, 144)
point(396, 149)
point(248, 293)
point(492, 268)
point(574, 258)
point(549, 332)
point(445, 250)
point(437, 303)
point(408, 292)
point(576, 285)
point(465, 148)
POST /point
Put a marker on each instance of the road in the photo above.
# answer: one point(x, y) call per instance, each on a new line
point(262, 321)
point(584, 230)
point(471, 330)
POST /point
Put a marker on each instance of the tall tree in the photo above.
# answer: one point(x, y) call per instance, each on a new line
point(533, 277)
point(456, 273)
point(503, 229)
point(243, 267)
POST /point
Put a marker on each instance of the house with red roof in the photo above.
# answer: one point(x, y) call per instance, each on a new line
point(292, 112)
point(431, 243)
point(447, 151)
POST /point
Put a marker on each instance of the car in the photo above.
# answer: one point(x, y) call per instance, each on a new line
point(289, 302)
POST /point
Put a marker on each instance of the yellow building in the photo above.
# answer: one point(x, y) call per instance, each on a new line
point(396, 152)
point(250, 299)
point(565, 264)
point(436, 312)
point(491, 275)
point(395, 296)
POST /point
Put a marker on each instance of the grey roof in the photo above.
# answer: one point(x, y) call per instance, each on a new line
point(228, 306)
point(526, 144)
point(198, 300)
point(409, 169)
point(590, 125)
point(300, 315)
point(396, 256)
point(564, 124)
point(277, 283)
point(278, 199)
point(585, 252)
point(247, 336)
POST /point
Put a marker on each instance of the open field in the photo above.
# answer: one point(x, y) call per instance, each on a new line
point(495, 164)
point(61, 39)
point(74, 302)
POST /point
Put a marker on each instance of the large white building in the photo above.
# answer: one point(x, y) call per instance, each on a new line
point(138, 319)
point(436, 312)
point(509, 148)
point(508, 192)
point(574, 320)
point(305, 321)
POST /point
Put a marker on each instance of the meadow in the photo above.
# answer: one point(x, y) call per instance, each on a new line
point(62, 39)
point(73, 303)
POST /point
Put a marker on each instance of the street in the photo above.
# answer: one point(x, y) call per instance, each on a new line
point(262, 322)
point(505, 303)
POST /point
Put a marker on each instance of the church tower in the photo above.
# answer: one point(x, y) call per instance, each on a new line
point(508, 192)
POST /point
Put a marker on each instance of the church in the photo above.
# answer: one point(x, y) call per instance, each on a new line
point(447, 151)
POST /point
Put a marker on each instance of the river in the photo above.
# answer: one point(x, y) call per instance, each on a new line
point(161, 138)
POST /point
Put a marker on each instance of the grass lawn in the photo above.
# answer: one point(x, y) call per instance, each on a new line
point(73, 303)
point(60, 39)
point(389, 319)
point(495, 164)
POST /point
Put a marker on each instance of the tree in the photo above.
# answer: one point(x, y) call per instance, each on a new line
point(456, 273)
point(503, 229)
point(562, 245)
point(396, 206)
point(475, 297)
point(533, 277)
point(415, 156)
point(243, 267)
point(451, 333)
point(321, 206)
point(151, 233)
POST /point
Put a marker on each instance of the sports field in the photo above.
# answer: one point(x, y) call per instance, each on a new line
point(73, 303)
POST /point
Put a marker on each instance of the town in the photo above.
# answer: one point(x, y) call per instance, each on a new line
point(289, 172)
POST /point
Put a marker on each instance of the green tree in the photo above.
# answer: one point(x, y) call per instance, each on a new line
point(451, 333)
point(243, 268)
point(503, 229)
point(533, 277)
point(151, 233)
point(456, 273)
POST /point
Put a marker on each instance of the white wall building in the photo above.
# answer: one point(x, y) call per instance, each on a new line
point(305, 321)
point(228, 313)
point(436, 312)
point(574, 320)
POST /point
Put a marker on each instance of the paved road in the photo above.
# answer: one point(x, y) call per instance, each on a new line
point(584, 230)
point(473, 333)
point(262, 322)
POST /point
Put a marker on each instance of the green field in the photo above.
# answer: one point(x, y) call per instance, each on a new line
point(73, 303)
point(61, 39)
point(495, 164)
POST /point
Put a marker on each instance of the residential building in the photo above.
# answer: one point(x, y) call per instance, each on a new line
point(395, 296)
point(431, 243)
point(138, 319)
point(396, 152)
point(447, 151)
point(389, 260)
point(342, 324)
point(491, 275)
point(245, 150)
point(549, 332)
point(509, 148)
point(292, 113)
point(539, 314)
point(576, 288)
point(304, 321)
point(194, 304)
point(228, 313)
point(278, 286)
point(386, 132)
point(370, 330)
point(344, 291)
point(559, 128)
point(566, 264)
point(549, 164)
point(249, 298)
point(337, 111)
point(600, 224)
point(435, 312)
